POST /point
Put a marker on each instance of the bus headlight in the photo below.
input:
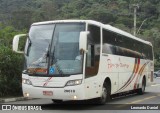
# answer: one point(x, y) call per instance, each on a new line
point(26, 81)
point(74, 82)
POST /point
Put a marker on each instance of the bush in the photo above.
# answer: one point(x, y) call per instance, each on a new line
point(10, 72)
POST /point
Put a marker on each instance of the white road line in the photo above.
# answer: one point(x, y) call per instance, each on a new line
point(138, 101)
point(141, 100)
point(156, 85)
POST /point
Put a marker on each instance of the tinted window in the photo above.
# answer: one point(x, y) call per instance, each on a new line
point(117, 44)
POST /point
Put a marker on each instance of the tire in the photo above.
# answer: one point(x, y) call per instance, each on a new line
point(142, 90)
point(105, 97)
point(57, 101)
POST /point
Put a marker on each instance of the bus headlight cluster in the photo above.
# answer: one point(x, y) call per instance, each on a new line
point(74, 82)
point(26, 81)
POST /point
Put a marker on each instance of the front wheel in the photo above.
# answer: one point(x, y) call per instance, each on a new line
point(105, 96)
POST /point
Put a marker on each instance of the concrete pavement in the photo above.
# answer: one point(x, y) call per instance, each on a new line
point(5, 100)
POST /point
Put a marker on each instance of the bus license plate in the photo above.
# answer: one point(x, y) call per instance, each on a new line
point(48, 93)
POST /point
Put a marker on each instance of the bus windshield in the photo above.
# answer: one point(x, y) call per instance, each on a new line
point(54, 49)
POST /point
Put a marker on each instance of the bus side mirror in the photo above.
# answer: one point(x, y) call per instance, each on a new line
point(83, 41)
point(16, 43)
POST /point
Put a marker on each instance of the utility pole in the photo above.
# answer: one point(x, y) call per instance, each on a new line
point(135, 17)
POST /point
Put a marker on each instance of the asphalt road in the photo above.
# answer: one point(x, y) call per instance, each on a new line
point(151, 96)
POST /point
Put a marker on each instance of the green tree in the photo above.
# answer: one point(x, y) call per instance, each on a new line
point(10, 75)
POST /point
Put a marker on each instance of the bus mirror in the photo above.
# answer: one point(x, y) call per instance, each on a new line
point(16, 43)
point(83, 41)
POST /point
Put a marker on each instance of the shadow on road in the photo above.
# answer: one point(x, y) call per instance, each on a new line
point(91, 105)
point(73, 105)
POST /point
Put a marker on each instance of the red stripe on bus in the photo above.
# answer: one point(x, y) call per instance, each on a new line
point(134, 69)
point(139, 75)
point(45, 84)
point(134, 74)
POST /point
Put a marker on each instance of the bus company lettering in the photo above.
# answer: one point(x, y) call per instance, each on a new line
point(116, 65)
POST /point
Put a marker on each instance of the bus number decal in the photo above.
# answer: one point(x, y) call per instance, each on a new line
point(69, 91)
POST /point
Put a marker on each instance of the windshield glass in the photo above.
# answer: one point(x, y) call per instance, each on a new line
point(54, 49)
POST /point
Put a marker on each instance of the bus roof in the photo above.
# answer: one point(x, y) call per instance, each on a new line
point(68, 21)
point(106, 26)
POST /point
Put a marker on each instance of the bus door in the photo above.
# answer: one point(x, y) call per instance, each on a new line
point(92, 60)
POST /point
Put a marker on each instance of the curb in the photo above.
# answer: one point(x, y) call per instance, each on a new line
point(14, 99)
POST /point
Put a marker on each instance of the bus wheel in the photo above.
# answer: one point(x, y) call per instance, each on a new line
point(105, 94)
point(57, 101)
point(142, 90)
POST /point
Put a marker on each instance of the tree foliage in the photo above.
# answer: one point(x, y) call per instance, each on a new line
point(10, 63)
point(10, 72)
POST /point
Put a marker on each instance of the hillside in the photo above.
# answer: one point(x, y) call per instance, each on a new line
point(119, 13)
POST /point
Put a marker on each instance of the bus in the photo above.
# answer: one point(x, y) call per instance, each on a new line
point(83, 60)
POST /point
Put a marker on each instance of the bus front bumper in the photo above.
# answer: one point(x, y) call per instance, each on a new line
point(66, 93)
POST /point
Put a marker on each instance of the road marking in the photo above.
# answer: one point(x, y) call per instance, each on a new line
point(137, 101)
point(156, 85)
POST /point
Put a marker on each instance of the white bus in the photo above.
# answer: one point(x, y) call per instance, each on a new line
point(83, 59)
